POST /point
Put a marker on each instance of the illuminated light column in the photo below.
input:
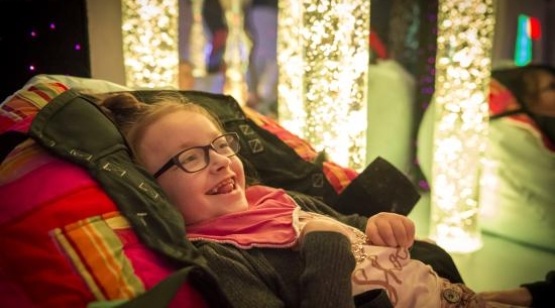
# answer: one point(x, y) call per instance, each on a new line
point(150, 43)
point(465, 36)
point(291, 111)
point(237, 50)
point(197, 40)
point(323, 62)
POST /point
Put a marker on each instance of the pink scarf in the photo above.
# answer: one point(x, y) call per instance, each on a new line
point(268, 222)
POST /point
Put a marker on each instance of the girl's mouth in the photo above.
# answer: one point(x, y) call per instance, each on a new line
point(224, 187)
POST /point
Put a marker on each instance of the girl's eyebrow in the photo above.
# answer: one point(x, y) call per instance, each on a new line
point(190, 144)
point(185, 146)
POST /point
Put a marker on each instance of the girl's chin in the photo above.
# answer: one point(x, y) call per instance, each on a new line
point(236, 198)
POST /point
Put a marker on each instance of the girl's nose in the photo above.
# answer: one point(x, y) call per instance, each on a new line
point(218, 161)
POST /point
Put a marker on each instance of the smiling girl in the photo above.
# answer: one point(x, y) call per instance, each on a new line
point(268, 246)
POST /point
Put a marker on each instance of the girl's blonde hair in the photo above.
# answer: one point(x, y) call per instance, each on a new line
point(133, 117)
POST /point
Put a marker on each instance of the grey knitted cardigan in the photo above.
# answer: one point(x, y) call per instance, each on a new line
point(316, 275)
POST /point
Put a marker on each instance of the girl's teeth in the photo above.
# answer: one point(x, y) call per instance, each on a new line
point(223, 188)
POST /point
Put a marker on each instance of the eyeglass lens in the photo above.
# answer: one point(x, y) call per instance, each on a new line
point(197, 158)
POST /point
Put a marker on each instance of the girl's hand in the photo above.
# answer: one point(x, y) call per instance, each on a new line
point(390, 229)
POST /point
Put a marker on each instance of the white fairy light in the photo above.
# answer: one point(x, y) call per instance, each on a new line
point(465, 34)
point(323, 60)
point(150, 43)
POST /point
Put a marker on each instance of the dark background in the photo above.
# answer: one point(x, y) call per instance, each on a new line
point(60, 44)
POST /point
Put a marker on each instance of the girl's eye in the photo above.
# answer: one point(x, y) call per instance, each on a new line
point(189, 157)
point(221, 145)
point(549, 87)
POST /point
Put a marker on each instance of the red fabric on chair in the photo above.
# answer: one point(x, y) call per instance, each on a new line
point(60, 231)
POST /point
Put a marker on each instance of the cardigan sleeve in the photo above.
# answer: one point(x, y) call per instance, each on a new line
point(328, 264)
point(245, 283)
point(324, 281)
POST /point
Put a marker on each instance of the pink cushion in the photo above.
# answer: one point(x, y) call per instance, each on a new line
point(64, 244)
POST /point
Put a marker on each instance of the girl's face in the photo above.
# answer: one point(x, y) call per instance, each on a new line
point(545, 99)
point(211, 192)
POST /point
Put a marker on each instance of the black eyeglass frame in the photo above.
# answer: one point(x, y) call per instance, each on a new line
point(175, 159)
